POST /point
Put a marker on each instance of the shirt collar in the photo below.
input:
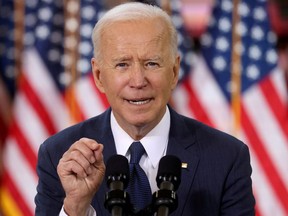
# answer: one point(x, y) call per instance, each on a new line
point(155, 142)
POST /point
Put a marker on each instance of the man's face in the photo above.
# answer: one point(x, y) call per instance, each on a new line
point(136, 72)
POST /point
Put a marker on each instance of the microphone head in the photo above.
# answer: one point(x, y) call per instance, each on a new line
point(169, 170)
point(117, 169)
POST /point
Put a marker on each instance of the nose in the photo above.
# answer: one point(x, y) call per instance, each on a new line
point(138, 77)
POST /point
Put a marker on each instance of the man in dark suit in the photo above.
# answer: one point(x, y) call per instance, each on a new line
point(136, 65)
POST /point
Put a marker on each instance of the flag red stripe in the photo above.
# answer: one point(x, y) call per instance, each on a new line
point(24, 145)
point(279, 109)
point(37, 105)
point(14, 192)
point(257, 210)
point(195, 105)
point(3, 130)
point(263, 157)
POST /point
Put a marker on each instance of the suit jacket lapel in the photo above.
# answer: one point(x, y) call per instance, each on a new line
point(104, 136)
point(182, 143)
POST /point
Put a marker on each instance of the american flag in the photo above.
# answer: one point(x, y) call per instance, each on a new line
point(56, 89)
point(42, 105)
point(236, 86)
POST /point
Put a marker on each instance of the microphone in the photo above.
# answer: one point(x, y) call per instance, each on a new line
point(117, 177)
point(168, 180)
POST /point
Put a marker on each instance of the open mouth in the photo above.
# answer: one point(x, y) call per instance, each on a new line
point(139, 102)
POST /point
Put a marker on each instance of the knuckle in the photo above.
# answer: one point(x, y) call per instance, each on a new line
point(75, 154)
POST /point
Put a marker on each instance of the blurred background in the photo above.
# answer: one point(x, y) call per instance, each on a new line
point(233, 77)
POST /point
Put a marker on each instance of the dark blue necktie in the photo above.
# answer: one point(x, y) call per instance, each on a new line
point(139, 187)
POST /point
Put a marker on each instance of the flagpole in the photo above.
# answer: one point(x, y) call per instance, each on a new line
point(236, 70)
point(71, 42)
point(19, 14)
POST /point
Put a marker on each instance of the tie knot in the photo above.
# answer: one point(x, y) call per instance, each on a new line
point(136, 152)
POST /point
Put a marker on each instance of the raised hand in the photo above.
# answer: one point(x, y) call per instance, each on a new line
point(81, 171)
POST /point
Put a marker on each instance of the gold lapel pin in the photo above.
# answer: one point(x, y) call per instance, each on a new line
point(184, 165)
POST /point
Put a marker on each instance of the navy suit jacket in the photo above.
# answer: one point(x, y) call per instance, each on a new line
point(216, 182)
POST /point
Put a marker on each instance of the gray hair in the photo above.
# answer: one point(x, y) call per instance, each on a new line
point(133, 11)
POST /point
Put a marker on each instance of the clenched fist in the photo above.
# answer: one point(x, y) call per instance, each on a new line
point(81, 171)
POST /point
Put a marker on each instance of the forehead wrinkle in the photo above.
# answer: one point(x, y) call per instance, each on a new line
point(121, 58)
point(158, 33)
point(142, 48)
point(143, 45)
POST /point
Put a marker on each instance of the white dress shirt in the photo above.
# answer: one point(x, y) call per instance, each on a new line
point(155, 144)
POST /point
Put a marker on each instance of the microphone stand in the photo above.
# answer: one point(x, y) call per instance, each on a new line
point(117, 211)
point(165, 202)
point(147, 211)
point(118, 203)
point(163, 211)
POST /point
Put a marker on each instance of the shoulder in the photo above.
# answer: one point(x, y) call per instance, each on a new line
point(91, 128)
point(208, 139)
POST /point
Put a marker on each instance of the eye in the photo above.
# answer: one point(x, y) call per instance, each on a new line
point(152, 64)
point(121, 65)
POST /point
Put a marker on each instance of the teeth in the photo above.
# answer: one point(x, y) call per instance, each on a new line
point(139, 102)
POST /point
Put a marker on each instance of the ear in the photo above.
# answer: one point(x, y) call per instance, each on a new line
point(97, 74)
point(176, 68)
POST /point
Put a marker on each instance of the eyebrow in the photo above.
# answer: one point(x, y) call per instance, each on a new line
point(154, 58)
point(123, 58)
point(129, 58)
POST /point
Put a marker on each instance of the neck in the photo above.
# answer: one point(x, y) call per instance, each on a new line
point(137, 133)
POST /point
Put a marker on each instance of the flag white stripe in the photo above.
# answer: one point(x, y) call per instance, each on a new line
point(210, 96)
point(29, 123)
point(266, 199)
point(21, 173)
point(88, 99)
point(277, 77)
point(180, 101)
point(269, 132)
point(265, 196)
point(45, 88)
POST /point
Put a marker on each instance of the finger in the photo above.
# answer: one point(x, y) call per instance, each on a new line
point(67, 168)
point(86, 147)
point(90, 143)
point(98, 154)
point(79, 158)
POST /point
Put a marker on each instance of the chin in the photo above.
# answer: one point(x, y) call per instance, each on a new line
point(139, 122)
point(145, 121)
